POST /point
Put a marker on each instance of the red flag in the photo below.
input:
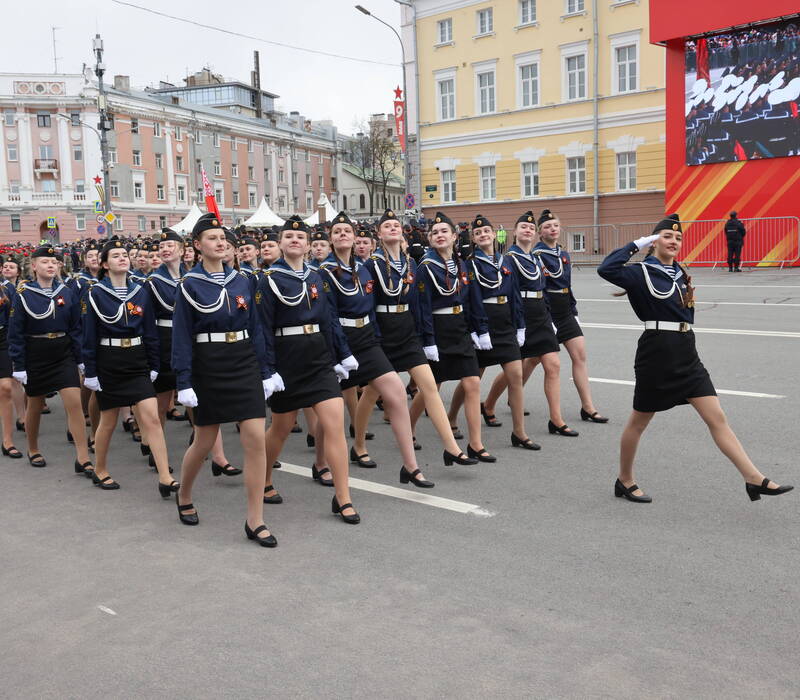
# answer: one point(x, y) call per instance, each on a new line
point(208, 193)
point(703, 71)
point(739, 152)
point(399, 121)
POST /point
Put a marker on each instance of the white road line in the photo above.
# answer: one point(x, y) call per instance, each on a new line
point(735, 286)
point(722, 331)
point(107, 611)
point(729, 392)
point(402, 494)
point(711, 303)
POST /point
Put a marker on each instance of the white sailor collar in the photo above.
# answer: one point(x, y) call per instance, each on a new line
point(280, 265)
point(36, 287)
point(432, 257)
point(654, 263)
point(495, 261)
point(198, 272)
point(162, 273)
point(543, 249)
point(106, 286)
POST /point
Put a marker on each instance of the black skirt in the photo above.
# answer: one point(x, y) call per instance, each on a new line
point(305, 365)
point(227, 380)
point(166, 380)
point(372, 361)
point(503, 334)
point(50, 365)
point(668, 371)
point(539, 335)
point(5, 359)
point(456, 353)
point(400, 341)
point(124, 377)
point(561, 313)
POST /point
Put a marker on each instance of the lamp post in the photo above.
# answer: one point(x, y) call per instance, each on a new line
point(102, 104)
point(365, 11)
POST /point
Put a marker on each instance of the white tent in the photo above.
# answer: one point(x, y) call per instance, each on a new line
point(330, 212)
point(187, 223)
point(264, 216)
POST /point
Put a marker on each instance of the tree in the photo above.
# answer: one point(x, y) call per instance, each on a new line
point(375, 156)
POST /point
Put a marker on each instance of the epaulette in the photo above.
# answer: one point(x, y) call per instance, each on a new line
point(21, 285)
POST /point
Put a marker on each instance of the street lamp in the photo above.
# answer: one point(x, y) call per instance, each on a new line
point(365, 11)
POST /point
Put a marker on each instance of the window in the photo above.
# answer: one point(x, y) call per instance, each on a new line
point(134, 126)
point(485, 21)
point(576, 77)
point(362, 201)
point(141, 223)
point(12, 151)
point(215, 139)
point(198, 137)
point(527, 11)
point(488, 183)
point(80, 222)
point(75, 119)
point(625, 60)
point(251, 199)
point(219, 194)
point(13, 187)
point(333, 183)
point(294, 202)
point(266, 174)
point(217, 168)
point(162, 221)
point(179, 162)
point(576, 175)
point(579, 242)
point(626, 171)
point(159, 161)
point(309, 201)
point(249, 145)
point(137, 157)
point(446, 99)
point(234, 170)
point(80, 186)
point(448, 186)
point(43, 119)
point(574, 6)
point(45, 152)
point(308, 180)
point(156, 129)
point(486, 94)
point(178, 133)
point(530, 179)
point(115, 189)
point(294, 179)
point(9, 116)
point(528, 87)
point(118, 223)
point(112, 156)
point(322, 182)
point(16, 225)
point(444, 30)
point(294, 154)
point(160, 192)
point(48, 185)
point(308, 156)
point(77, 153)
point(181, 193)
point(281, 176)
point(138, 190)
point(236, 198)
point(250, 172)
point(282, 202)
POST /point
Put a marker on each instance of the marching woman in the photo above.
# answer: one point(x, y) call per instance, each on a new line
point(218, 359)
point(45, 349)
point(490, 271)
point(7, 293)
point(350, 294)
point(120, 350)
point(397, 312)
point(668, 370)
point(541, 346)
point(564, 309)
point(449, 316)
point(301, 348)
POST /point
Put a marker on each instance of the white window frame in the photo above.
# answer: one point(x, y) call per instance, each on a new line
point(217, 168)
point(178, 133)
point(449, 186)
point(444, 32)
point(252, 198)
point(179, 163)
point(249, 145)
point(441, 76)
point(156, 129)
point(115, 189)
point(480, 69)
point(524, 60)
point(234, 170)
point(136, 158)
point(531, 19)
point(12, 148)
point(628, 168)
point(80, 222)
point(138, 190)
point(251, 173)
point(487, 29)
point(309, 201)
point(118, 223)
point(619, 41)
point(215, 139)
point(141, 223)
point(529, 178)
point(198, 137)
point(77, 151)
point(573, 50)
point(134, 125)
point(487, 176)
point(159, 161)
point(236, 198)
point(574, 7)
point(576, 160)
point(219, 194)
point(160, 193)
point(578, 242)
point(112, 156)
point(80, 186)
point(9, 117)
point(181, 193)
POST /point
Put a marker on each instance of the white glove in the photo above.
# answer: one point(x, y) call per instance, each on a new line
point(432, 353)
point(269, 387)
point(153, 375)
point(21, 377)
point(277, 382)
point(350, 363)
point(187, 397)
point(341, 372)
point(82, 368)
point(485, 341)
point(92, 383)
point(520, 336)
point(475, 341)
point(646, 241)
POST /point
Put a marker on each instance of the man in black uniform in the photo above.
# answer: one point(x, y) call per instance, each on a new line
point(734, 233)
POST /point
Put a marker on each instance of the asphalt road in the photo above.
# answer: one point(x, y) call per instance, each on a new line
point(554, 589)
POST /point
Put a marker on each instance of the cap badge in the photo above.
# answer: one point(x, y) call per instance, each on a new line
point(295, 224)
point(674, 227)
point(214, 222)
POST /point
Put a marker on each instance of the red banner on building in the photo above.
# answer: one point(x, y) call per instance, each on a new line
point(703, 71)
point(399, 117)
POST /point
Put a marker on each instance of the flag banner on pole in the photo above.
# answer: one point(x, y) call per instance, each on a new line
point(399, 121)
point(208, 193)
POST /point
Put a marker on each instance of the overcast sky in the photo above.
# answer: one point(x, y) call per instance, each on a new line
point(150, 48)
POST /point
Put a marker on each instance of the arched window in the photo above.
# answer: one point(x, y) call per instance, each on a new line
point(362, 202)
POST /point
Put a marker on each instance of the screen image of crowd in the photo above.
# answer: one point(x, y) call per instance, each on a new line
point(742, 92)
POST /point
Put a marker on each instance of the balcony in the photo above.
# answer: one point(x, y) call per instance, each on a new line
point(45, 166)
point(45, 196)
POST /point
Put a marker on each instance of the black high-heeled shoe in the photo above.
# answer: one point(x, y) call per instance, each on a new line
point(622, 491)
point(406, 476)
point(105, 484)
point(594, 417)
point(337, 510)
point(317, 475)
point(127, 424)
point(481, 455)
point(274, 500)
point(21, 426)
point(70, 439)
point(186, 518)
point(457, 434)
point(226, 469)
point(367, 436)
point(460, 458)
point(526, 444)
point(145, 449)
point(310, 441)
point(37, 460)
point(296, 428)
point(151, 461)
point(489, 418)
point(166, 490)
point(755, 491)
point(136, 434)
point(176, 415)
point(12, 452)
point(277, 465)
point(552, 428)
point(81, 468)
point(417, 446)
point(90, 445)
point(362, 460)
point(268, 541)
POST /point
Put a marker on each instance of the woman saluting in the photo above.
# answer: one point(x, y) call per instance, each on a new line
point(668, 371)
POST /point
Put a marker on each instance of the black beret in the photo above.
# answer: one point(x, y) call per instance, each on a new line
point(270, 236)
point(443, 219)
point(480, 221)
point(526, 218)
point(546, 215)
point(167, 234)
point(248, 240)
point(364, 233)
point(44, 251)
point(153, 247)
point(230, 236)
point(319, 236)
point(388, 215)
point(670, 223)
point(342, 218)
point(205, 222)
point(112, 244)
point(294, 223)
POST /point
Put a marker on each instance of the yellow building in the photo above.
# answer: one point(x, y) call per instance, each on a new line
point(509, 117)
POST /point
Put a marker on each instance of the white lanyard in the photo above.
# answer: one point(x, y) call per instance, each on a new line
point(51, 309)
point(206, 308)
point(330, 269)
point(443, 292)
point(654, 292)
point(288, 301)
point(522, 269)
point(391, 291)
point(557, 254)
point(485, 281)
point(110, 320)
point(154, 287)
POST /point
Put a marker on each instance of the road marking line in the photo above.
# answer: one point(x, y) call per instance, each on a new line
point(735, 286)
point(712, 303)
point(103, 608)
point(402, 494)
point(729, 392)
point(722, 331)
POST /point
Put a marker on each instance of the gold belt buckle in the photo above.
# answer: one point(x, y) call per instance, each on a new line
point(52, 335)
point(125, 342)
point(230, 337)
point(308, 328)
point(359, 323)
point(456, 309)
point(401, 308)
point(501, 300)
point(683, 327)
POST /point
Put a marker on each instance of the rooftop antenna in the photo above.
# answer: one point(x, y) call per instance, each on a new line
point(55, 57)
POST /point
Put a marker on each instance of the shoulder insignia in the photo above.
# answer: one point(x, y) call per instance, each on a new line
point(471, 274)
point(258, 297)
point(84, 308)
point(325, 286)
point(421, 286)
